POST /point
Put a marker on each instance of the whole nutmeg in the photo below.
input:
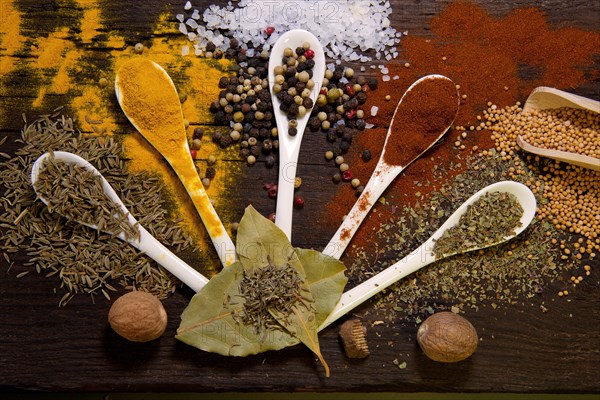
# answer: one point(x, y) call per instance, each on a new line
point(447, 337)
point(138, 317)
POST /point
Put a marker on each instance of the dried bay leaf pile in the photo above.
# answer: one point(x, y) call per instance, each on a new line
point(275, 296)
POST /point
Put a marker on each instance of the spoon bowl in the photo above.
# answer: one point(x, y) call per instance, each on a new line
point(385, 172)
point(289, 146)
point(545, 98)
point(168, 137)
point(424, 254)
point(146, 242)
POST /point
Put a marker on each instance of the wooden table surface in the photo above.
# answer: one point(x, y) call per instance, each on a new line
point(44, 347)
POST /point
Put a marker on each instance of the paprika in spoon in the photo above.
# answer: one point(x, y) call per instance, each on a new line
point(424, 113)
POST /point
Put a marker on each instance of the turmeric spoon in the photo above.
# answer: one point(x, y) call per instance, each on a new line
point(146, 243)
point(426, 111)
point(289, 146)
point(424, 255)
point(149, 99)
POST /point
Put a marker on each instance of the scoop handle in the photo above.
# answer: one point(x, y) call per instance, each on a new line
point(184, 168)
point(381, 178)
point(163, 256)
point(354, 297)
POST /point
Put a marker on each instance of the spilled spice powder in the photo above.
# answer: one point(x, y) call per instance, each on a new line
point(491, 59)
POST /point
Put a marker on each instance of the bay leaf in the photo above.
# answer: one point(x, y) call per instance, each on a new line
point(326, 279)
point(212, 322)
point(208, 322)
point(259, 240)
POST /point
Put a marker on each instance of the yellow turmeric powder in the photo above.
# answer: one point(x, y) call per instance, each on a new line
point(149, 99)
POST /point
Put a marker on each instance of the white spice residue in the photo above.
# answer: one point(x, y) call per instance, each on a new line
point(365, 26)
point(374, 110)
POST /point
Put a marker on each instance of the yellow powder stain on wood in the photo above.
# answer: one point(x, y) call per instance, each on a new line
point(11, 40)
point(90, 24)
point(50, 51)
point(144, 158)
point(93, 110)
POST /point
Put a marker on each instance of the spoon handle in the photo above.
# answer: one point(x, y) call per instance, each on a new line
point(564, 156)
point(381, 178)
point(285, 196)
point(217, 232)
point(416, 260)
point(163, 256)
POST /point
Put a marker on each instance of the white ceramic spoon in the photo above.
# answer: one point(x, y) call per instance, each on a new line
point(544, 98)
point(385, 172)
point(424, 255)
point(147, 243)
point(133, 96)
point(289, 146)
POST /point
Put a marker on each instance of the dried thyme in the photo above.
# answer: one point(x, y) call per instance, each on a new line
point(77, 193)
point(270, 290)
point(490, 219)
point(82, 259)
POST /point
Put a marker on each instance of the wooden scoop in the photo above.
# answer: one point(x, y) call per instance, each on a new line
point(140, 103)
point(544, 98)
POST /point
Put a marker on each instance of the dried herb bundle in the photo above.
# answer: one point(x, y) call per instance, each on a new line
point(76, 192)
point(286, 295)
point(271, 291)
point(82, 259)
point(487, 221)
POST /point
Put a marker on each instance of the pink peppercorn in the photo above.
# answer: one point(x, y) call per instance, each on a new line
point(271, 217)
point(351, 114)
point(349, 89)
point(310, 53)
point(193, 153)
point(323, 90)
point(298, 202)
point(272, 192)
point(347, 175)
point(269, 30)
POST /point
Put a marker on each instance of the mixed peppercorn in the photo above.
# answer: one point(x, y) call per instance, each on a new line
point(246, 107)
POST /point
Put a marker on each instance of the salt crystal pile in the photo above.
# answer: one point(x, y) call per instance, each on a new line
point(347, 29)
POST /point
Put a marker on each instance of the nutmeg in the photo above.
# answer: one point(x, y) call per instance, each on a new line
point(447, 337)
point(138, 317)
point(353, 335)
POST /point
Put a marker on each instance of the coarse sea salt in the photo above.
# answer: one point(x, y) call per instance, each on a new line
point(349, 30)
point(374, 110)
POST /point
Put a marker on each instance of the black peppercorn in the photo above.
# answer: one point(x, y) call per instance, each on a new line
point(293, 110)
point(214, 107)
point(230, 53)
point(267, 145)
point(289, 72)
point(314, 124)
point(347, 137)
point(264, 95)
point(366, 155)
point(216, 137)
point(244, 152)
point(255, 150)
point(293, 131)
point(210, 46)
point(198, 133)
point(361, 97)
point(310, 64)
point(336, 178)
point(331, 136)
point(210, 172)
point(361, 124)
point(372, 82)
point(344, 147)
point(307, 103)
point(223, 82)
point(225, 141)
point(269, 161)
